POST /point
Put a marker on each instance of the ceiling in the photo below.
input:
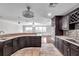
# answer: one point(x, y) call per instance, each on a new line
point(13, 11)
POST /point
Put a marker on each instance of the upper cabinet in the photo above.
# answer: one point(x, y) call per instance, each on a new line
point(74, 19)
point(71, 20)
point(57, 22)
point(65, 22)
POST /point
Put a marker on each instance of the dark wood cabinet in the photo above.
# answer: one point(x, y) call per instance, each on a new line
point(22, 42)
point(57, 42)
point(74, 16)
point(74, 50)
point(66, 48)
point(15, 44)
point(59, 45)
point(65, 22)
point(6, 48)
point(74, 19)
point(1, 48)
point(10, 46)
point(58, 25)
point(35, 41)
point(28, 41)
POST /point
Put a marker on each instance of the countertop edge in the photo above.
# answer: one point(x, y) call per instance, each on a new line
point(65, 39)
point(12, 37)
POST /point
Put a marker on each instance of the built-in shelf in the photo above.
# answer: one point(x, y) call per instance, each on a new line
point(74, 16)
point(74, 19)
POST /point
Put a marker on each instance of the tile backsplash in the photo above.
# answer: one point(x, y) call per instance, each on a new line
point(72, 33)
point(77, 33)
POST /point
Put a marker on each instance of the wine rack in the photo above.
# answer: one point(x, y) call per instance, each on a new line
point(74, 17)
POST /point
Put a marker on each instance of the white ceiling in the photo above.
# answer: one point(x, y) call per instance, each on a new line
point(11, 11)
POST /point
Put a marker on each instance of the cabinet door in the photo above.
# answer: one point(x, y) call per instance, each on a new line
point(27, 41)
point(22, 42)
point(8, 48)
point(33, 41)
point(67, 49)
point(65, 23)
point(36, 41)
point(1, 50)
point(16, 44)
point(74, 50)
point(58, 25)
point(61, 45)
point(57, 42)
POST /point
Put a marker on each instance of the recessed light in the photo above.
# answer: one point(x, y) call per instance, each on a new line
point(49, 14)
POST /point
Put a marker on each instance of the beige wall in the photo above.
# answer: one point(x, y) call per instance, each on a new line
point(9, 27)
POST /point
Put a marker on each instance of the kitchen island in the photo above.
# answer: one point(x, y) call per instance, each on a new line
point(10, 44)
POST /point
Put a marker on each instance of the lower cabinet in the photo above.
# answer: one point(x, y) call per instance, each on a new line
point(28, 41)
point(66, 48)
point(57, 42)
point(15, 44)
point(35, 42)
point(74, 50)
point(8, 48)
point(59, 45)
point(1, 49)
point(22, 42)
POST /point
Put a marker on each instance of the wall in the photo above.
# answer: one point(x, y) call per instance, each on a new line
point(9, 27)
point(48, 30)
point(53, 29)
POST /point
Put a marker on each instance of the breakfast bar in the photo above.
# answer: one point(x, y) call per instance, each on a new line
point(9, 45)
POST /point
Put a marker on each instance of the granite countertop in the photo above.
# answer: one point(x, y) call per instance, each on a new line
point(2, 39)
point(70, 40)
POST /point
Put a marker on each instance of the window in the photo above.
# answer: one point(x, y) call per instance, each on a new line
point(36, 28)
point(28, 29)
point(40, 29)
